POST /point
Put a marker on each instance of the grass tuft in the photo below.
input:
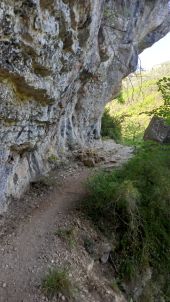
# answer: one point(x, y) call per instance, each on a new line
point(57, 282)
point(67, 235)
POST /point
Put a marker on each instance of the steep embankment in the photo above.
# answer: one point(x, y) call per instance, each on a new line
point(60, 62)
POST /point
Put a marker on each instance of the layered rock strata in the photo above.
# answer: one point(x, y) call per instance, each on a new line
point(61, 61)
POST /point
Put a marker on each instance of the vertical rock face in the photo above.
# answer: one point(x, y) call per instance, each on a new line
point(60, 62)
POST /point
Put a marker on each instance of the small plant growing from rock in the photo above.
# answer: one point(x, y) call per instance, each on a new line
point(89, 245)
point(114, 286)
point(56, 282)
point(67, 235)
point(52, 159)
point(132, 205)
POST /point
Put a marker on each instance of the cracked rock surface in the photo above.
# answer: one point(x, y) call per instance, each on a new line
point(61, 61)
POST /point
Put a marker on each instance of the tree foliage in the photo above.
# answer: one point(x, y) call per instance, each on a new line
point(111, 126)
point(164, 87)
point(164, 110)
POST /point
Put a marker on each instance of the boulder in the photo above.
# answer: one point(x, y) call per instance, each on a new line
point(158, 131)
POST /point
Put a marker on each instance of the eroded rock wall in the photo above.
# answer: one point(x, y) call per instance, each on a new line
point(60, 62)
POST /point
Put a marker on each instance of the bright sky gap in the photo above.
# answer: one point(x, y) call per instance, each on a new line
point(156, 54)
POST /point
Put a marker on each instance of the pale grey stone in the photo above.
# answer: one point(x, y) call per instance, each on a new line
point(158, 131)
point(60, 63)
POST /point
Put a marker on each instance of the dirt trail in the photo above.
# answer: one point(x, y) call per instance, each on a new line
point(28, 245)
point(21, 252)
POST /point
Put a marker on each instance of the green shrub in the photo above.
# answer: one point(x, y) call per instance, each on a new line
point(111, 126)
point(57, 282)
point(164, 87)
point(163, 110)
point(132, 204)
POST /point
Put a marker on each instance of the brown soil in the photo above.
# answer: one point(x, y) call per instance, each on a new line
point(29, 245)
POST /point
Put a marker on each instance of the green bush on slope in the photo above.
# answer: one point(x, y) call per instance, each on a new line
point(111, 126)
point(132, 204)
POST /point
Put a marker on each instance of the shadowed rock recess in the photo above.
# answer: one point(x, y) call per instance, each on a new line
point(61, 61)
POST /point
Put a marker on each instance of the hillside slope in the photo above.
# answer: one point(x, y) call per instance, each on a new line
point(140, 95)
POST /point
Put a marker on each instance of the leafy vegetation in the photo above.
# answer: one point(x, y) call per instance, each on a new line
point(111, 126)
point(141, 100)
point(132, 205)
point(164, 87)
point(164, 110)
point(57, 282)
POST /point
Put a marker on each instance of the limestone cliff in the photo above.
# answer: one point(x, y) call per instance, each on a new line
point(60, 62)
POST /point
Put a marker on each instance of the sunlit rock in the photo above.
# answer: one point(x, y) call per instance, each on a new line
point(158, 131)
point(61, 61)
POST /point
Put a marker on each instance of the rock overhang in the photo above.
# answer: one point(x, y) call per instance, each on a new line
point(60, 63)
